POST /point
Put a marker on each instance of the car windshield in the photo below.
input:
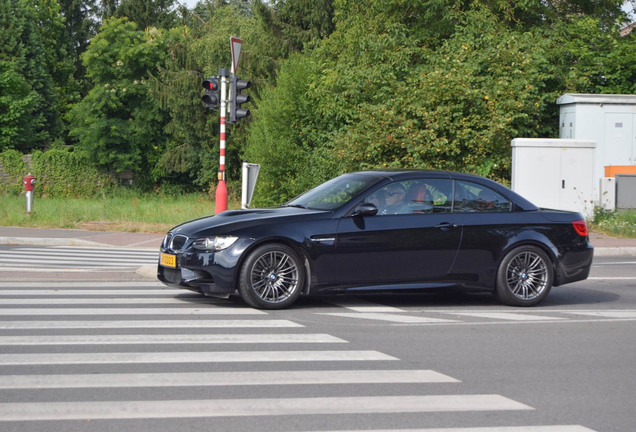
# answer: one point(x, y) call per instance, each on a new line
point(334, 193)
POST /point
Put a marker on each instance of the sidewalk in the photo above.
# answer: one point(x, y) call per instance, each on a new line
point(74, 237)
point(603, 245)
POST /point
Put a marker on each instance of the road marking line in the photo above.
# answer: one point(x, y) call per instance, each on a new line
point(190, 357)
point(78, 251)
point(611, 278)
point(199, 300)
point(509, 316)
point(152, 292)
point(246, 378)
point(53, 269)
point(255, 407)
point(129, 311)
point(169, 339)
point(53, 286)
point(402, 319)
point(190, 324)
point(606, 314)
point(550, 428)
point(359, 305)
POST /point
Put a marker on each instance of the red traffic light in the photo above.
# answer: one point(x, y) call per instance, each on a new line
point(211, 84)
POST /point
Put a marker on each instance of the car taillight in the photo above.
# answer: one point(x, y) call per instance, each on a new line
point(580, 227)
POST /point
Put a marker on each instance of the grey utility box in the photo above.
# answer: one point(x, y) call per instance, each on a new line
point(625, 191)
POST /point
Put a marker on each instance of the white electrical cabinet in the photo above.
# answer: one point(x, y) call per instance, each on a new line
point(555, 173)
point(610, 121)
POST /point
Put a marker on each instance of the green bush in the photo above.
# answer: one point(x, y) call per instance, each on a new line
point(12, 169)
point(62, 173)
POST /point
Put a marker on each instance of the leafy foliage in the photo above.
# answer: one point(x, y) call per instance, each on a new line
point(61, 173)
point(337, 85)
point(119, 123)
point(12, 169)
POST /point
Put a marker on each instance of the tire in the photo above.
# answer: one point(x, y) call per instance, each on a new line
point(272, 277)
point(525, 277)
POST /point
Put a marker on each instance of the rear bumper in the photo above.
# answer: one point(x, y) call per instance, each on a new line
point(575, 265)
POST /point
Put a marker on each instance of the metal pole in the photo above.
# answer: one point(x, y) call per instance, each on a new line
point(245, 180)
point(221, 189)
point(29, 201)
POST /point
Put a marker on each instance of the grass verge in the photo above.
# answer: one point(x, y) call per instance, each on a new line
point(618, 224)
point(132, 214)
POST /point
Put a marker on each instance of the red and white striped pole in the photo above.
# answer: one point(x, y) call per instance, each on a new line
point(220, 203)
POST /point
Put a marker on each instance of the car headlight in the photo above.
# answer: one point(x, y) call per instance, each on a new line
point(214, 244)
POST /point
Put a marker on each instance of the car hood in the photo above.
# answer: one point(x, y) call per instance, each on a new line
point(232, 220)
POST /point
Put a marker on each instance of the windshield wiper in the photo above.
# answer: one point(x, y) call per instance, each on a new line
point(295, 205)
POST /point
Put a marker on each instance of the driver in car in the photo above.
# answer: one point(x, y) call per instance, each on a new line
point(394, 199)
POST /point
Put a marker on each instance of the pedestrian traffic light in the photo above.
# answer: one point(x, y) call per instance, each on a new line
point(236, 99)
point(211, 96)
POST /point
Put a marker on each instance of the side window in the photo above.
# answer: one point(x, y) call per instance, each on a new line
point(472, 197)
point(413, 197)
point(390, 199)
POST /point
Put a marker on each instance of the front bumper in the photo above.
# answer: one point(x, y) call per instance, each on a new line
point(209, 273)
point(197, 281)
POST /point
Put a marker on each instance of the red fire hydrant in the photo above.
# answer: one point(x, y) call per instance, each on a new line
point(29, 182)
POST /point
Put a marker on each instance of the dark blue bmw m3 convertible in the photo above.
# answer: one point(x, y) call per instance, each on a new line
point(382, 231)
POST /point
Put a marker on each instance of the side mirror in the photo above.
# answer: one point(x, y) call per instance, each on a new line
point(365, 209)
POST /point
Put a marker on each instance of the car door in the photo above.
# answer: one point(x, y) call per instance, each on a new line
point(414, 244)
point(488, 224)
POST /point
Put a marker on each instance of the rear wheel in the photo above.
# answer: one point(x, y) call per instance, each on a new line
point(524, 277)
point(272, 277)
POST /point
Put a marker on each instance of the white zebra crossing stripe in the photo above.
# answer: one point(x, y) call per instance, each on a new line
point(509, 316)
point(190, 357)
point(75, 257)
point(551, 428)
point(359, 305)
point(255, 407)
point(127, 301)
point(53, 287)
point(607, 314)
point(170, 339)
point(396, 318)
point(223, 379)
point(201, 310)
point(39, 325)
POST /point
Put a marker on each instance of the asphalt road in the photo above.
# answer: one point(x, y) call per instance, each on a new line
point(100, 355)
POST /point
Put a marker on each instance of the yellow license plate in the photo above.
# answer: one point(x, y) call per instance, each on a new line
point(168, 260)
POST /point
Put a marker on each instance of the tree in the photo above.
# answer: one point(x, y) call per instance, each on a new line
point(80, 21)
point(197, 52)
point(34, 59)
point(119, 123)
point(443, 84)
point(17, 108)
point(304, 22)
point(145, 13)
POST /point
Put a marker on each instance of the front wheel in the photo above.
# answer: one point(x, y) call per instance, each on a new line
point(524, 277)
point(272, 277)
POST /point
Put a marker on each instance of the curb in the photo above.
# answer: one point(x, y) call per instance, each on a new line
point(614, 251)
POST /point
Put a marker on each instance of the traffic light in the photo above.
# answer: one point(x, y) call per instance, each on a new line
point(211, 96)
point(236, 99)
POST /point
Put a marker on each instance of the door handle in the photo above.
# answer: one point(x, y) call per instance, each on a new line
point(446, 226)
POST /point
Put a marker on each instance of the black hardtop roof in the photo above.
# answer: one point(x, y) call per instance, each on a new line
point(404, 174)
